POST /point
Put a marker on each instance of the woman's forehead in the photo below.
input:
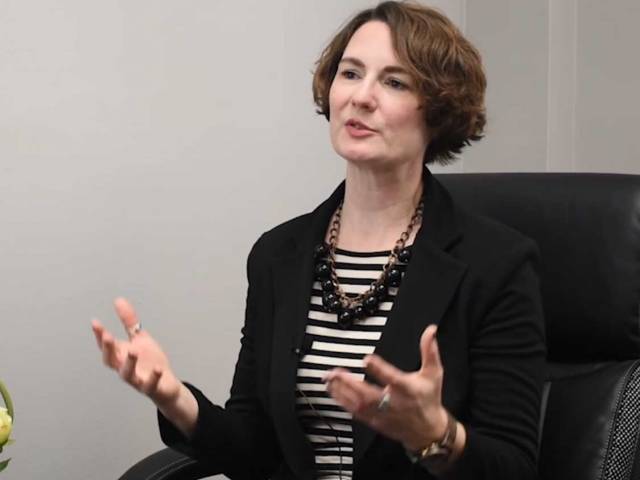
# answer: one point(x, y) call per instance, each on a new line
point(372, 44)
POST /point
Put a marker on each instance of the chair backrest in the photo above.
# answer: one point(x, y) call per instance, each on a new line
point(588, 229)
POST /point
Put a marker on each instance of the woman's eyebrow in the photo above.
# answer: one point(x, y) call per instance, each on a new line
point(388, 69)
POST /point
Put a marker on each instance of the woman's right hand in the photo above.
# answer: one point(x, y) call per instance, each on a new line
point(139, 360)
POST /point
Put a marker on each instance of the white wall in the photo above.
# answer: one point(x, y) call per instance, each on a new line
point(607, 112)
point(145, 145)
point(516, 91)
point(563, 85)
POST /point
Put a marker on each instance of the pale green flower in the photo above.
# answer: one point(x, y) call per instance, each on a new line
point(5, 426)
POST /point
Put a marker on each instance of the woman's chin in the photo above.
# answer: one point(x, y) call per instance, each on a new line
point(360, 157)
point(371, 163)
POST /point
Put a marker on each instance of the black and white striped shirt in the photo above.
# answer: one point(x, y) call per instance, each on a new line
point(327, 425)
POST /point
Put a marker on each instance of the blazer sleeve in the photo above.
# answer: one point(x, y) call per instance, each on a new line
point(507, 364)
point(237, 440)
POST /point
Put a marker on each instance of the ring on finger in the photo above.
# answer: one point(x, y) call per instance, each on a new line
point(384, 403)
point(131, 331)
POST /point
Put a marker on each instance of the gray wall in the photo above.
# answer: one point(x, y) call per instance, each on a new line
point(563, 85)
point(145, 145)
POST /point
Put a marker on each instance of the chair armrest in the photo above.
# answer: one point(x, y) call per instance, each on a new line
point(591, 425)
point(167, 464)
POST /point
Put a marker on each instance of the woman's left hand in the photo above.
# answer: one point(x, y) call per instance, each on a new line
point(414, 414)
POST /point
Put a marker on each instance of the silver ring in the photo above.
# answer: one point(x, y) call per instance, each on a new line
point(385, 402)
point(131, 331)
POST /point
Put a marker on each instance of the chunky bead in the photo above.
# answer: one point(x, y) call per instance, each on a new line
point(346, 317)
point(394, 277)
point(332, 296)
point(329, 298)
point(323, 270)
point(380, 291)
point(371, 305)
point(320, 250)
point(335, 306)
point(327, 285)
point(404, 255)
point(360, 312)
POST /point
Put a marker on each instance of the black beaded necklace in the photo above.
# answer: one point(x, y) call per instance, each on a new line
point(334, 300)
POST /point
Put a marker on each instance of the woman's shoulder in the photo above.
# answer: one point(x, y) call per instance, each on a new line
point(481, 240)
point(489, 245)
point(482, 230)
point(280, 239)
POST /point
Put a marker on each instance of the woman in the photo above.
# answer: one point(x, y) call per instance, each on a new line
point(448, 301)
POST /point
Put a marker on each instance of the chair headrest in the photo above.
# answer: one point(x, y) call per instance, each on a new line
point(588, 229)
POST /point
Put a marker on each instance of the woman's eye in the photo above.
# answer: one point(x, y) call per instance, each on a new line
point(349, 74)
point(396, 84)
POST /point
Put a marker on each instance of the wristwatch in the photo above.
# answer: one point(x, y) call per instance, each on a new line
point(436, 455)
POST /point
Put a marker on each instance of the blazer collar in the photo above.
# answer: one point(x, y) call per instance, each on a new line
point(428, 286)
point(439, 225)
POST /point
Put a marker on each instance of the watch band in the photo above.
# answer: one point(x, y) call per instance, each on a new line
point(437, 453)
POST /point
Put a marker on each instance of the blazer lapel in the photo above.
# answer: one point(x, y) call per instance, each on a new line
point(428, 286)
point(427, 289)
point(293, 279)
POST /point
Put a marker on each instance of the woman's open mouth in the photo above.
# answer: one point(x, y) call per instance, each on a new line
point(358, 129)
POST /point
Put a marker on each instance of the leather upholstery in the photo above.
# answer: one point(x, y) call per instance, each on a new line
point(591, 423)
point(166, 464)
point(588, 229)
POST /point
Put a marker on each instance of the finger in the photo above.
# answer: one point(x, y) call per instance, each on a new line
point(343, 396)
point(362, 395)
point(106, 352)
point(425, 344)
point(150, 387)
point(382, 370)
point(343, 392)
point(110, 351)
point(128, 371)
point(436, 361)
point(429, 351)
point(329, 375)
point(98, 331)
point(127, 314)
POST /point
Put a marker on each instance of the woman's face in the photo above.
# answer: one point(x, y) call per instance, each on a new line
point(376, 117)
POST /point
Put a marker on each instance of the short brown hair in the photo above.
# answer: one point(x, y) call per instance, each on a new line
point(446, 68)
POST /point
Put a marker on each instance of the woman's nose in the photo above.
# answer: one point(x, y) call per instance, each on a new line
point(364, 96)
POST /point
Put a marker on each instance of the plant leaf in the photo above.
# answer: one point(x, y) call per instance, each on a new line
point(4, 464)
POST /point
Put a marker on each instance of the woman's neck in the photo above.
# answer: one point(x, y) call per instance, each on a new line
point(378, 206)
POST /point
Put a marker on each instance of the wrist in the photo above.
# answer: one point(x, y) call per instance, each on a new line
point(182, 411)
point(442, 426)
point(438, 453)
point(434, 432)
point(175, 402)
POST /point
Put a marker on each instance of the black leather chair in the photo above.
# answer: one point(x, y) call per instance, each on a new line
point(588, 230)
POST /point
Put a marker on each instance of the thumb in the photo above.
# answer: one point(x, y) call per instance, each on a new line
point(127, 314)
point(429, 351)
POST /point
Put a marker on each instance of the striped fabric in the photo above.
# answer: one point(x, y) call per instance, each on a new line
point(327, 426)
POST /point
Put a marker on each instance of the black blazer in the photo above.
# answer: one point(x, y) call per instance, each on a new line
point(476, 278)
